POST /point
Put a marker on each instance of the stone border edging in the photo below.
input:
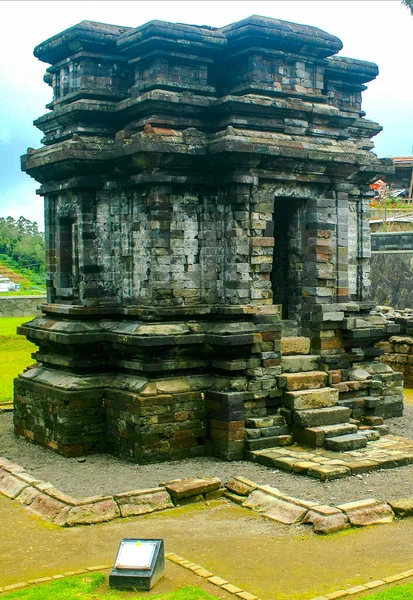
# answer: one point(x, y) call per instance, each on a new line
point(23, 584)
point(325, 519)
point(48, 502)
point(210, 577)
point(370, 585)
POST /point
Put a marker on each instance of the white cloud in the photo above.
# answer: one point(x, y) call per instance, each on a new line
point(22, 200)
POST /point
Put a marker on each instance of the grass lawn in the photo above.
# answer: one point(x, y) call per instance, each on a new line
point(399, 592)
point(15, 353)
point(94, 586)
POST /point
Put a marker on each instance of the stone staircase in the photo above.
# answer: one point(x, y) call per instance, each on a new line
point(310, 414)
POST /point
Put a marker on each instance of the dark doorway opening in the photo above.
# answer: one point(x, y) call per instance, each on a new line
point(287, 272)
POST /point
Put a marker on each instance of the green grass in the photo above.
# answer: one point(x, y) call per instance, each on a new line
point(399, 592)
point(15, 353)
point(85, 587)
point(37, 281)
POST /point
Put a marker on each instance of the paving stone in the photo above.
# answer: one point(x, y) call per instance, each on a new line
point(328, 472)
point(98, 512)
point(291, 346)
point(343, 443)
point(191, 486)
point(402, 507)
point(217, 580)
point(338, 594)
point(189, 500)
point(143, 502)
point(393, 578)
point(203, 573)
point(246, 596)
point(28, 495)
point(370, 434)
point(46, 507)
point(11, 486)
point(356, 590)
point(374, 584)
point(302, 466)
point(285, 512)
point(215, 495)
point(239, 487)
point(361, 466)
point(382, 429)
point(232, 589)
point(327, 523)
point(259, 501)
point(367, 512)
point(235, 497)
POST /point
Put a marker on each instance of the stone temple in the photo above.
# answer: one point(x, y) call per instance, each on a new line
point(208, 248)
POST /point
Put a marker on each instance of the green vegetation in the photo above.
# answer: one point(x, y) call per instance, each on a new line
point(15, 353)
point(22, 241)
point(33, 283)
point(85, 587)
point(22, 251)
point(399, 592)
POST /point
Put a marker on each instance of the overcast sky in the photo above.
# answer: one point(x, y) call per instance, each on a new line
point(374, 30)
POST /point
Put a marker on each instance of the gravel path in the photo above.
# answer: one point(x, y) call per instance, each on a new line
point(104, 474)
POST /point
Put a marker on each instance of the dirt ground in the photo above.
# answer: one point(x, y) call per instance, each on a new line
point(104, 474)
point(265, 558)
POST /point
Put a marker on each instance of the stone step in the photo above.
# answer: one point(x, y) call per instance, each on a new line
point(308, 380)
point(291, 346)
point(316, 436)
point(260, 422)
point(320, 417)
point(254, 434)
point(264, 443)
point(311, 399)
point(344, 443)
point(300, 363)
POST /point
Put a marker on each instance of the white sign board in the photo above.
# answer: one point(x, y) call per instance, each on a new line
point(135, 555)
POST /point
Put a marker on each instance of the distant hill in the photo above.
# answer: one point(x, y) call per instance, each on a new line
point(29, 281)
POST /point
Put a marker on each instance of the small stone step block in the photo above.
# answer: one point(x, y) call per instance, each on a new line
point(320, 417)
point(311, 399)
point(316, 436)
point(344, 443)
point(299, 363)
point(268, 442)
point(291, 346)
point(308, 380)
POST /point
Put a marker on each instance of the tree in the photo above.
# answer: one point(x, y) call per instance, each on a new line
point(22, 241)
point(409, 4)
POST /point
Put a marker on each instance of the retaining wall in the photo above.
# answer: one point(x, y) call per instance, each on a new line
point(20, 306)
point(392, 268)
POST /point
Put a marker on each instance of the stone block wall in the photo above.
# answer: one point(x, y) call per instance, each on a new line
point(20, 306)
point(199, 183)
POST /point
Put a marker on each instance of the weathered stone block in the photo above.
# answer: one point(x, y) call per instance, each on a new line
point(143, 501)
point(192, 486)
point(367, 512)
point(285, 512)
point(291, 346)
point(311, 399)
